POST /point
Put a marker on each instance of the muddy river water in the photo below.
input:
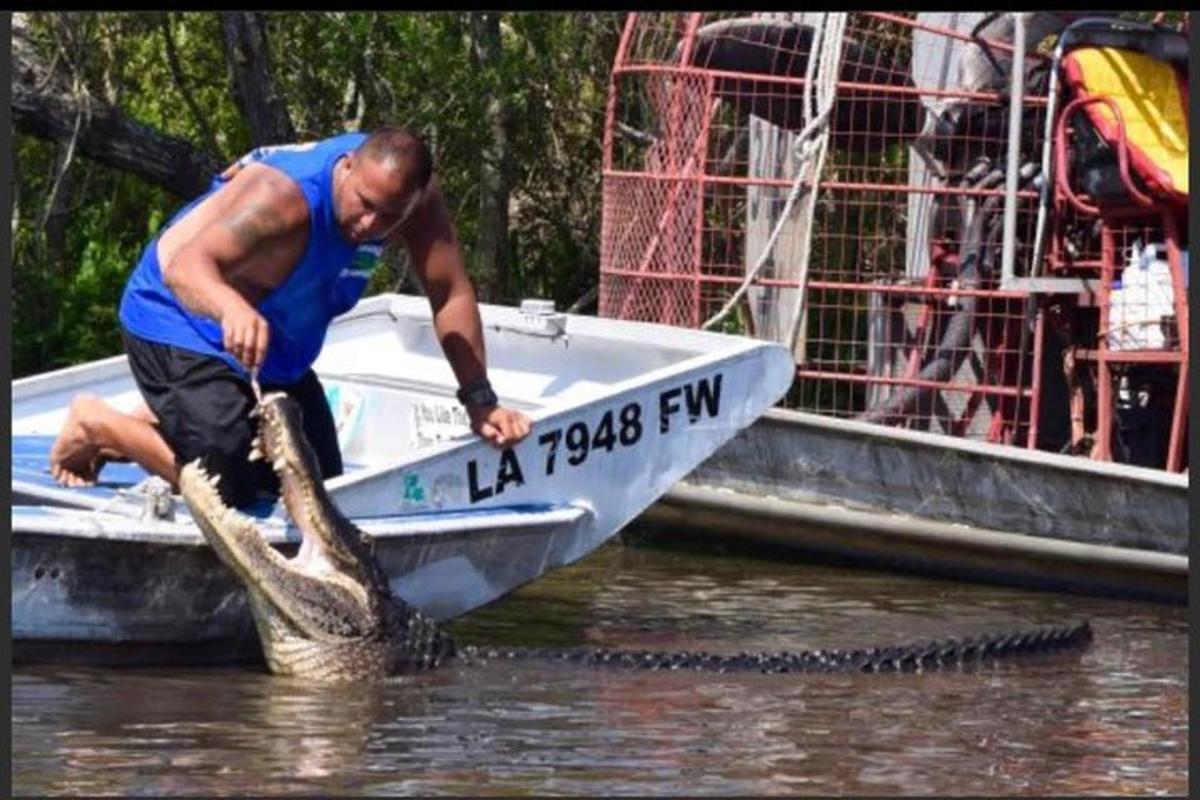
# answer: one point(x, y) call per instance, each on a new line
point(1111, 719)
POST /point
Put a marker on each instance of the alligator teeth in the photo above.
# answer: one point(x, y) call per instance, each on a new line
point(213, 479)
point(256, 454)
point(280, 463)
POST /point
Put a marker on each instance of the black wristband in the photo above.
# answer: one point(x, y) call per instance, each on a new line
point(478, 394)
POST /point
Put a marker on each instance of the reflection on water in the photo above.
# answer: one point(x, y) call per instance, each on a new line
point(1110, 720)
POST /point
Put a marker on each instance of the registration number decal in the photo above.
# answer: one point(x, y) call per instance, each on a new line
point(575, 443)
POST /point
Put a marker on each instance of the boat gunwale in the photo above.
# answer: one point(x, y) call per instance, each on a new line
point(279, 532)
point(548, 413)
point(988, 450)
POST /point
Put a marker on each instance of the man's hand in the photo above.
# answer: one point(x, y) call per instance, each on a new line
point(246, 334)
point(503, 427)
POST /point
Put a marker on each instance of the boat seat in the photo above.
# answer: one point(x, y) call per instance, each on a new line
point(1152, 98)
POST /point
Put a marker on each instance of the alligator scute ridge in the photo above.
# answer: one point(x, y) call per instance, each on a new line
point(944, 654)
point(329, 612)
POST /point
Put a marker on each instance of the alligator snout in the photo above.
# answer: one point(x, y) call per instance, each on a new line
point(329, 611)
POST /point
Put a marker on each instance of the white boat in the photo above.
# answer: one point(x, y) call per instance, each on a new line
point(620, 410)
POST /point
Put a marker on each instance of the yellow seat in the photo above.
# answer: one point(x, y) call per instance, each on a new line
point(1152, 98)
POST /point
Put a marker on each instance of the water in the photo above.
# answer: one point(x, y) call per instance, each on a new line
point(1109, 720)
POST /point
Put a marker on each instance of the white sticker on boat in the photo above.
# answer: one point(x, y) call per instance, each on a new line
point(436, 421)
point(346, 406)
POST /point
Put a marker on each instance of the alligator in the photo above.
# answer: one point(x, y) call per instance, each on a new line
point(329, 613)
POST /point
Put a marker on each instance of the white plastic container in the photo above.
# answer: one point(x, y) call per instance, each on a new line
point(1144, 302)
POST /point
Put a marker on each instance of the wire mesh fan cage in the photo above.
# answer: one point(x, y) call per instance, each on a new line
point(869, 189)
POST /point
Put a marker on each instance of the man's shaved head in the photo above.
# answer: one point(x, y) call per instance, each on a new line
point(397, 147)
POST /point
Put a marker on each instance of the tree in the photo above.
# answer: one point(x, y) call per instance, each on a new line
point(253, 80)
point(495, 158)
point(45, 105)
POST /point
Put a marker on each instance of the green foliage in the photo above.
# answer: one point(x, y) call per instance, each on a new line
point(87, 295)
point(65, 295)
point(405, 68)
point(67, 286)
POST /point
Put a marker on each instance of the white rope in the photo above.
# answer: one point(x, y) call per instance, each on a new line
point(831, 57)
point(810, 146)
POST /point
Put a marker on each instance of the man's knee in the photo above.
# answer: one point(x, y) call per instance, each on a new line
point(87, 411)
point(222, 443)
point(239, 478)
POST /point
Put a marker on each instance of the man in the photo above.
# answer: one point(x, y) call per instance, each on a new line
point(243, 282)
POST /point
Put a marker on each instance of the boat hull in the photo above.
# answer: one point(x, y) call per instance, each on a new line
point(152, 585)
point(935, 504)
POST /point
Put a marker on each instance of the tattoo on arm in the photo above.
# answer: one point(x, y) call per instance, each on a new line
point(253, 225)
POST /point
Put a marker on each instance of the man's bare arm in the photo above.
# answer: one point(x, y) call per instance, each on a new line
point(438, 263)
point(264, 215)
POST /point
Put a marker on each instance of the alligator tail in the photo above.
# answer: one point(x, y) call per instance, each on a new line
point(936, 655)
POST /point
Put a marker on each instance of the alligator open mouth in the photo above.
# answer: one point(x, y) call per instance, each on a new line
point(328, 611)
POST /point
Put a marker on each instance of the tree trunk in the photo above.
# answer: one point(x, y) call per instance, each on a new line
point(495, 168)
point(254, 87)
point(44, 107)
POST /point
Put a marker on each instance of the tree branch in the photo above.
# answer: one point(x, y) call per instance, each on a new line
point(495, 163)
point(43, 107)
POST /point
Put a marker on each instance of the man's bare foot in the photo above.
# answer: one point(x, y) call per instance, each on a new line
point(75, 459)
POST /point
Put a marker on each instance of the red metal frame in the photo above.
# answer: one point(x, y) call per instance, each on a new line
point(683, 213)
point(1145, 215)
point(1122, 148)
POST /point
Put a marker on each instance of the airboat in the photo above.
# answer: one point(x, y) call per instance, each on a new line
point(975, 248)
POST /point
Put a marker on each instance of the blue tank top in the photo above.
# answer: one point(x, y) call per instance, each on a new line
point(328, 280)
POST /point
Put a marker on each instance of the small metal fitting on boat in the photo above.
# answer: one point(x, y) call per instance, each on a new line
point(539, 318)
point(157, 500)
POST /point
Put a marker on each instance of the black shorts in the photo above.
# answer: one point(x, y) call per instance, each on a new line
point(203, 407)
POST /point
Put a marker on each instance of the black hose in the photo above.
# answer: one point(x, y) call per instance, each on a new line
point(983, 228)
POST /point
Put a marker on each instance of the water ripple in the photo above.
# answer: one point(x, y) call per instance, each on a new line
point(1110, 720)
